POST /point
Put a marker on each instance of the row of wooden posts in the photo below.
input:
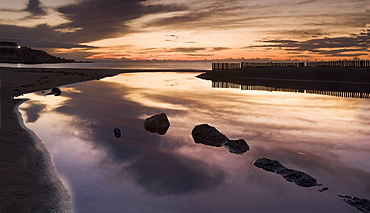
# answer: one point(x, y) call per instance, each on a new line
point(349, 63)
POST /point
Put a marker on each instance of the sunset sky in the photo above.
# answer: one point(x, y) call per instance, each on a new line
point(190, 29)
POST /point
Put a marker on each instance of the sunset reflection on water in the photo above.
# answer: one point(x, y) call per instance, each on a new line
point(326, 137)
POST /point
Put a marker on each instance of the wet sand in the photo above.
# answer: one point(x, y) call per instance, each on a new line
point(28, 180)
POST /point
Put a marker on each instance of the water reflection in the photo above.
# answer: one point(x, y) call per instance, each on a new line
point(327, 137)
point(216, 84)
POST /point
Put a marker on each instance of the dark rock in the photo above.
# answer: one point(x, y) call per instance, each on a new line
point(117, 133)
point(361, 204)
point(55, 91)
point(209, 135)
point(291, 175)
point(323, 189)
point(298, 177)
point(269, 165)
point(157, 124)
point(237, 146)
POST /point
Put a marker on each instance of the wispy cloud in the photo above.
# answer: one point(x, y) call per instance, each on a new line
point(335, 46)
point(211, 24)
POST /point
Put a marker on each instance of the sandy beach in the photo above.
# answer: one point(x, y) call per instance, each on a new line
point(28, 180)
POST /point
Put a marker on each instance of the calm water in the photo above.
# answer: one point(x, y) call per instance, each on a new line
point(192, 65)
point(327, 137)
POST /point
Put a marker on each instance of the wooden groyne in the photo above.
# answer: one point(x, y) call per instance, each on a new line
point(225, 66)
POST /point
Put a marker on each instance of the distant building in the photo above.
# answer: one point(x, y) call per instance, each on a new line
point(7, 44)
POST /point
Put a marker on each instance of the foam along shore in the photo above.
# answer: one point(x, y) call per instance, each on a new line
point(29, 182)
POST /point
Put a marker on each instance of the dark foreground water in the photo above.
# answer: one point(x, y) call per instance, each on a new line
point(325, 136)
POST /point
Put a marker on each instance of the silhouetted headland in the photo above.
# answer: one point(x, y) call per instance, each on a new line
point(11, 52)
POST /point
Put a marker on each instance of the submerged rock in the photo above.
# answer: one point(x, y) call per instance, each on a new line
point(323, 189)
point(291, 175)
point(157, 124)
point(209, 135)
point(361, 204)
point(117, 133)
point(237, 146)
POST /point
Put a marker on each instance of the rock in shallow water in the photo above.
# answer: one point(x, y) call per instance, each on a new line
point(209, 135)
point(237, 146)
point(291, 175)
point(361, 204)
point(269, 165)
point(117, 133)
point(157, 124)
point(55, 91)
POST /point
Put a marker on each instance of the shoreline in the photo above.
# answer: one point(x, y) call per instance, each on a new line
point(29, 181)
point(61, 199)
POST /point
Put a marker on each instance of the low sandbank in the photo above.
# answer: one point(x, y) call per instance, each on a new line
point(28, 180)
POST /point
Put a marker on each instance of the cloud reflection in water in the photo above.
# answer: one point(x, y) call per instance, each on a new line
point(327, 137)
point(159, 172)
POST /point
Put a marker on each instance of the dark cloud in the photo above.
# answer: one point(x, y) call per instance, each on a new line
point(34, 7)
point(207, 17)
point(99, 19)
point(187, 49)
point(299, 33)
point(173, 36)
point(336, 46)
point(199, 54)
point(88, 21)
point(220, 48)
point(152, 160)
point(41, 36)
